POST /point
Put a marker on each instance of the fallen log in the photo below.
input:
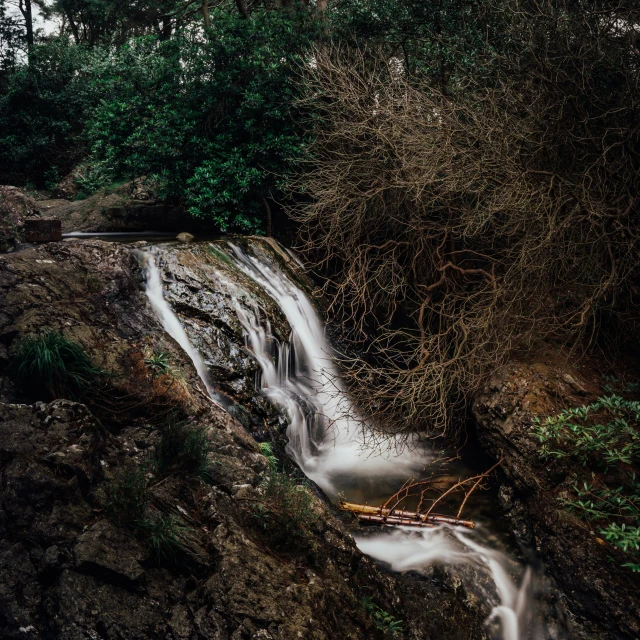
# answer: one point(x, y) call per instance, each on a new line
point(380, 515)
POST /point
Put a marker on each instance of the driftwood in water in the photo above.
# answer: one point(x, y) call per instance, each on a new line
point(395, 517)
point(392, 512)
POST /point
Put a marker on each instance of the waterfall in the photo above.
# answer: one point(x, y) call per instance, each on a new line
point(170, 320)
point(327, 438)
point(406, 549)
point(334, 447)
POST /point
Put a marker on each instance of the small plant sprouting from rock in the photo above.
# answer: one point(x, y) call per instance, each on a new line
point(604, 439)
point(183, 446)
point(128, 503)
point(158, 364)
point(287, 514)
point(384, 621)
point(49, 366)
point(267, 451)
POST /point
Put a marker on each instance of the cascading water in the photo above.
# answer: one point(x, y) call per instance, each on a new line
point(170, 320)
point(334, 447)
point(326, 437)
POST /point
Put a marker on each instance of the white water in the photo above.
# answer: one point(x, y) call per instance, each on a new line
point(405, 550)
point(170, 320)
point(326, 437)
point(331, 444)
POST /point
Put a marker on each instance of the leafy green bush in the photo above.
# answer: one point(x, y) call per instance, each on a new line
point(92, 177)
point(49, 366)
point(603, 438)
point(210, 119)
point(183, 446)
point(43, 111)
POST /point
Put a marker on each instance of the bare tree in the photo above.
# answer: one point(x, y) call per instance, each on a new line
point(453, 229)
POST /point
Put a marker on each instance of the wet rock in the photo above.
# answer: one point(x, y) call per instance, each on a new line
point(42, 230)
point(601, 595)
point(15, 207)
point(185, 237)
point(72, 567)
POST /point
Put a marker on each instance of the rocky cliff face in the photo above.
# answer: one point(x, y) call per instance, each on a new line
point(602, 596)
point(71, 567)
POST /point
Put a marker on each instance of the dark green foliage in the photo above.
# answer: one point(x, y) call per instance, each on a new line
point(384, 621)
point(49, 366)
point(436, 40)
point(604, 439)
point(184, 447)
point(43, 109)
point(210, 120)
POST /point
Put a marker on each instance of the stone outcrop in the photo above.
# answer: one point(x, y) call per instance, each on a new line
point(603, 596)
point(71, 568)
point(15, 207)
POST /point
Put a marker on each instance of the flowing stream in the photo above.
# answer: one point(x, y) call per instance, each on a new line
point(337, 450)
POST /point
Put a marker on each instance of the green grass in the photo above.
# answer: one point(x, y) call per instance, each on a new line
point(183, 447)
point(128, 504)
point(49, 366)
point(286, 515)
point(385, 622)
point(603, 438)
point(127, 497)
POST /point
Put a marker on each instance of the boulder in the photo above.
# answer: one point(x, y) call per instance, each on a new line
point(601, 595)
point(68, 187)
point(111, 552)
point(15, 206)
point(42, 230)
point(185, 237)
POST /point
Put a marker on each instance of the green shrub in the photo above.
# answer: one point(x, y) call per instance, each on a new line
point(95, 176)
point(604, 439)
point(183, 447)
point(384, 621)
point(49, 366)
point(159, 364)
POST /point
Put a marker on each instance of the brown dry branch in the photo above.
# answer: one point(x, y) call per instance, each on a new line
point(455, 228)
point(394, 511)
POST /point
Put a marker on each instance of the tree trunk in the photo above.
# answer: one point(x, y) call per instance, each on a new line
point(321, 5)
point(267, 213)
point(167, 28)
point(27, 14)
point(73, 26)
point(205, 13)
point(242, 8)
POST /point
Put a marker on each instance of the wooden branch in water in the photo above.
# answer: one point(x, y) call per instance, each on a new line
point(382, 515)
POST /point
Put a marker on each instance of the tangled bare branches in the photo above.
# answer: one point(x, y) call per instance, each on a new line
point(455, 228)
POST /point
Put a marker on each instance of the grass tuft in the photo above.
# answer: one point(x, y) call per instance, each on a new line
point(50, 366)
point(183, 446)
